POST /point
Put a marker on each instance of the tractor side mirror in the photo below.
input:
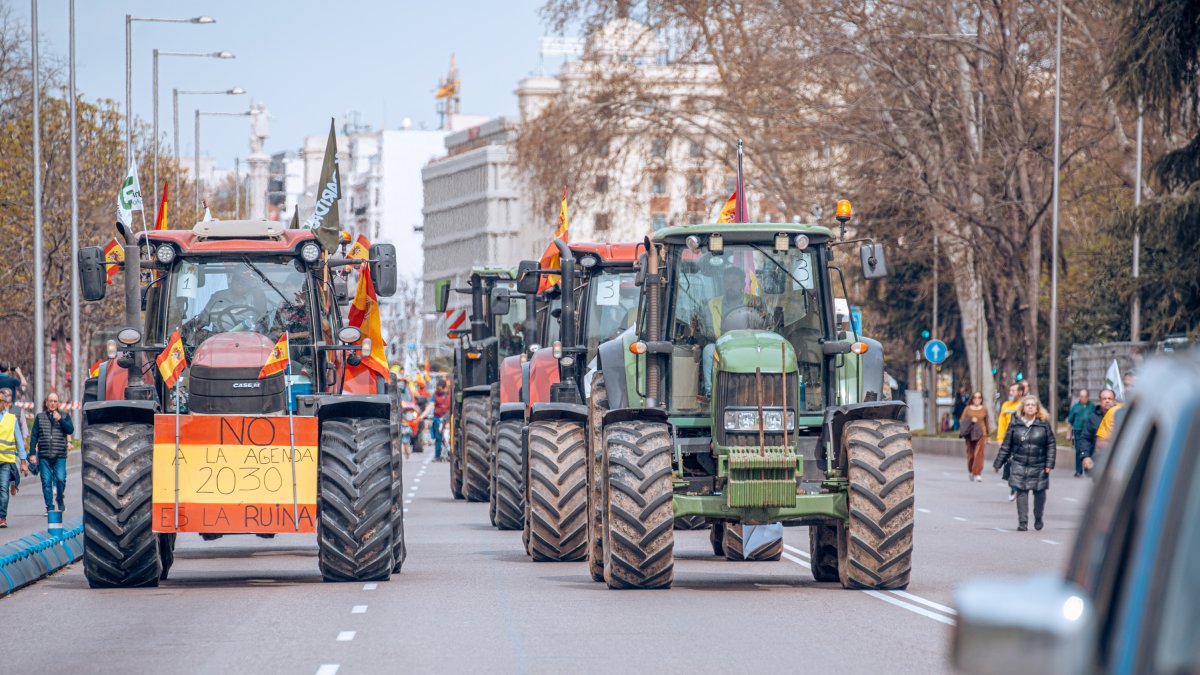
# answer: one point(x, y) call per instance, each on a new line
point(500, 301)
point(639, 277)
point(527, 279)
point(93, 280)
point(442, 299)
point(874, 265)
point(383, 269)
point(341, 292)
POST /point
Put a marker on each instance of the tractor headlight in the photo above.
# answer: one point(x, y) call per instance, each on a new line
point(129, 336)
point(310, 251)
point(349, 334)
point(165, 253)
point(747, 420)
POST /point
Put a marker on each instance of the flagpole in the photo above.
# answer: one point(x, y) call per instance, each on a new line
point(741, 186)
point(176, 454)
point(287, 384)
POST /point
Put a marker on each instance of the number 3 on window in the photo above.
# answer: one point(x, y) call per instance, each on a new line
point(608, 291)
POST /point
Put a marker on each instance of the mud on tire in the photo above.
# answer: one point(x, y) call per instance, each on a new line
point(120, 549)
point(355, 498)
point(509, 477)
point(557, 491)
point(477, 433)
point(733, 544)
point(597, 406)
point(639, 516)
point(875, 547)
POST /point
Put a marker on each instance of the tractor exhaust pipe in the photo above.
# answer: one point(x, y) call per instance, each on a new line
point(652, 328)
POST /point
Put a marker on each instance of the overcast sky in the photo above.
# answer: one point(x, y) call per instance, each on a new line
point(306, 60)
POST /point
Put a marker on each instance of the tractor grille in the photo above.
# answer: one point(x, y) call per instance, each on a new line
point(741, 389)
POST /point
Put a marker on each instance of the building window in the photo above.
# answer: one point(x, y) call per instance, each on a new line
point(696, 149)
point(658, 185)
point(601, 185)
point(658, 148)
point(602, 224)
point(658, 221)
point(730, 184)
point(696, 184)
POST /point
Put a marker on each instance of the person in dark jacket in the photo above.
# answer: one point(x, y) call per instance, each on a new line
point(1091, 424)
point(1030, 449)
point(48, 443)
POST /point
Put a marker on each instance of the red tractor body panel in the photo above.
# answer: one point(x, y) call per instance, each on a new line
point(510, 380)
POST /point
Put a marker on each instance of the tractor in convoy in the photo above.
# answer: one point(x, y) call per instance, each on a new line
point(475, 398)
point(740, 399)
point(232, 448)
point(540, 478)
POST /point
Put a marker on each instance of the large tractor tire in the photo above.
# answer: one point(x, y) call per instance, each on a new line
point(166, 554)
point(453, 456)
point(823, 552)
point(638, 518)
point(120, 549)
point(691, 523)
point(508, 480)
point(399, 551)
point(716, 537)
point(557, 491)
point(734, 545)
point(597, 406)
point(355, 500)
point(875, 546)
point(477, 433)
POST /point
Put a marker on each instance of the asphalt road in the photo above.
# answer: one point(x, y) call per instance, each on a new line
point(469, 599)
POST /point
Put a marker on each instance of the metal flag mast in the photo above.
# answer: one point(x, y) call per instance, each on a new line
point(287, 384)
point(741, 186)
point(177, 453)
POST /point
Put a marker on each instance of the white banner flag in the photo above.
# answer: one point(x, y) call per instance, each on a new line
point(129, 199)
point(1112, 380)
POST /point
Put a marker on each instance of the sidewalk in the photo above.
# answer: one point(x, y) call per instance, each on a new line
point(27, 510)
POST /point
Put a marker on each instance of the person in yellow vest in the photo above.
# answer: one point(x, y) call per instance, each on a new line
point(12, 450)
point(721, 310)
point(1007, 410)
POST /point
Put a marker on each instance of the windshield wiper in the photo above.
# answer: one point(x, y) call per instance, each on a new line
point(263, 276)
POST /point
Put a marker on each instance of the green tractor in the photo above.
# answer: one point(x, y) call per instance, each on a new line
point(490, 338)
point(743, 398)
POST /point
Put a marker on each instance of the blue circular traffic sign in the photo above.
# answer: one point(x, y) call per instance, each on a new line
point(936, 351)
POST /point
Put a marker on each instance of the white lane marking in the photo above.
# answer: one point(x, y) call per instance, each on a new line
point(416, 480)
point(406, 510)
point(345, 636)
point(961, 520)
point(409, 494)
point(912, 608)
point(407, 501)
point(928, 603)
point(924, 510)
point(1050, 541)
point(358, 609)
point(1070, 499)
point(797, 551)
point(370, 587)
point(999, 529)
point(797, 561)
point(327, 669)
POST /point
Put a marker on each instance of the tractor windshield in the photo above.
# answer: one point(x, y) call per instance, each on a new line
point(748, 286)
point(612, 307)
point(511, 341)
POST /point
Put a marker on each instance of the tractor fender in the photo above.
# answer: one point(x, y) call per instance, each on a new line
point(836, 418)
point(543, 373)
point(512, 411)
point(611, 355)
point(574, 412)
point(510, 380)
point(477, 390)
point(360, 405)
point(632, 414)
point(100, 412)
point(871, 369)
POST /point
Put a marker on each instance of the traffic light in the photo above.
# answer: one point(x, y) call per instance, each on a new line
point(925, 334)
point(1020, 376)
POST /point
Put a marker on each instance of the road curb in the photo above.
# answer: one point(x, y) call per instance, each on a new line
point(952, 447)
point(38, 555)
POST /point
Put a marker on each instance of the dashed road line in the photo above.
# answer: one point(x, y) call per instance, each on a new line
point(358, 609)
point(370, 587)
point(999, 529)
point(924, 511)
point(1049, 541)
point(912, 608)
point(1070, 499)
point(328, 669)
point(345, 636)
point(960, 519)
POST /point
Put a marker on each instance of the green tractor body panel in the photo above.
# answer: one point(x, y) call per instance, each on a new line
point(745, 351)
point(635, 370)
point(496, 271)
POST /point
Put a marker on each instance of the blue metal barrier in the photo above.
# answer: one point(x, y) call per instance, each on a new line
point(38, 555)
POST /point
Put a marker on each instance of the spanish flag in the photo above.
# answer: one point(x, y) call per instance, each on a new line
point(160, 221)
point(280, 358)
point(172, 361)
point(94, 371)
point(113, 253)
point(549, 259)
point(729, 211)
point(361, 250)
point(364, 315)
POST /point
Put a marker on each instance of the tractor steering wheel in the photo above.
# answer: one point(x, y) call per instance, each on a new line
point(745, 316)
point(228, 318)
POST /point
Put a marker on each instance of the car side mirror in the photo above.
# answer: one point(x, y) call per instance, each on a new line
point(442, 299)
point(383, 269)
point(528, 280)
point(93, 280)
point(874, 264)
point(1041, 624)
point(500, 302)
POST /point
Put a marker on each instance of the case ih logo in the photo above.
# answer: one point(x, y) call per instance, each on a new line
point(247, 385)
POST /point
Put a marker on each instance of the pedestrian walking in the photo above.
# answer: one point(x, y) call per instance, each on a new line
point(961, 400)
point(12, 380)
point(1077, 419)
point(48, 442)
point(973, 427)
point(441, 408)
point(12, 452)
point(1030, 451)
point(1003, 418)
point(1087, 435)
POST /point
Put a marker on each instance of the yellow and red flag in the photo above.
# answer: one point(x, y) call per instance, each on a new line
point(280, 358)
point(160, 220)
point(729, 211)
point(113, 253)
point(364, 315)
point(94, 371)
point(361, 250)
point(550, 258)
point(172, 361)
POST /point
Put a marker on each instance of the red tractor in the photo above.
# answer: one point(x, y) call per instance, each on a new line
point(229, 450)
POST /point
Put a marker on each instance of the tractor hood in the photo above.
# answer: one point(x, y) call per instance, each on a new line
point(744, 350)
point(234, 350)
point(224, 376)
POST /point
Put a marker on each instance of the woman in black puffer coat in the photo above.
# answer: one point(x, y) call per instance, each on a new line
point(1030, 449)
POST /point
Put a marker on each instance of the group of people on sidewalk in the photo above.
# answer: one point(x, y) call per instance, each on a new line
point(1028, 449)
point(45, 453)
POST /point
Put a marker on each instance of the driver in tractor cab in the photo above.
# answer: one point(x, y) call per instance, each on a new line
point(243, 292)
point(733, 298)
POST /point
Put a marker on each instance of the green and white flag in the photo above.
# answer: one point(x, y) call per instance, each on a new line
point(325, 219)
point(129, 199)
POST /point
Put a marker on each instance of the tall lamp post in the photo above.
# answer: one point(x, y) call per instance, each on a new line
point(196, 165)
point(129, 72)
point(1054, 222)
point(236, 91)
point(39, 313)
point(77, 350)
point(158, 53)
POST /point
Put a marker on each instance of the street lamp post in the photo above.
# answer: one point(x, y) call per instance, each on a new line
point(129, 71)
point(77, 350)
point(236, 91)
point(196, 164)
point(1054, 223)
point(39, 314)
point(157, 53)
